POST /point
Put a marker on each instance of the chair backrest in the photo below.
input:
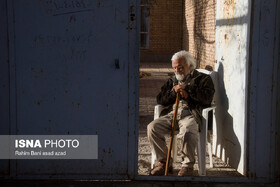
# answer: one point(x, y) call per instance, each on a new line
point(214, 77)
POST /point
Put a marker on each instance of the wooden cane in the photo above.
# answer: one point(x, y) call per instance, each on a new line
point(174, 121)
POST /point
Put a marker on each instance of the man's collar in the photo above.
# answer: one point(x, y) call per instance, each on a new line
point(193, 73)
point(190, 75)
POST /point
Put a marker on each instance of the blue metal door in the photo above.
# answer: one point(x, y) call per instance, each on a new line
point(72, 66)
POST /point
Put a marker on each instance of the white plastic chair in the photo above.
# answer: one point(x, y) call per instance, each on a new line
point(202, 135)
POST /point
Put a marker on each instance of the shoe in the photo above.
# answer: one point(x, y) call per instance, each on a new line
point(159, 169)
point(185, 171)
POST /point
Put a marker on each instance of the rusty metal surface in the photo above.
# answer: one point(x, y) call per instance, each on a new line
point(4, 82)
point(69, 74)
point(263, 93)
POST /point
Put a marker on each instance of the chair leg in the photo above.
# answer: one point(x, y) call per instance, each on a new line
point(201, 156)
point(210, 154)
point(210, 149)
point(153, 159)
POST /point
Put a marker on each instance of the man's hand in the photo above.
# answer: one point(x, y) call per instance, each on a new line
point(180, 89)
point(183, 94)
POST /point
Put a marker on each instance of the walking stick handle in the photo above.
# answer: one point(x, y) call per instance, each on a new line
point(174, 121)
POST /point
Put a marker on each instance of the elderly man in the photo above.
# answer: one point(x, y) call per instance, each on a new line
point(196, 92)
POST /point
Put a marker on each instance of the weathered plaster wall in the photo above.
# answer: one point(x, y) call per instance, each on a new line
point(231, 53)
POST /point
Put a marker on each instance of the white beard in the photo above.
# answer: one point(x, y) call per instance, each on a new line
point(180, 77)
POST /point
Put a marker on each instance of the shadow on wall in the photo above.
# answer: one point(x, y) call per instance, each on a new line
point(227, 146)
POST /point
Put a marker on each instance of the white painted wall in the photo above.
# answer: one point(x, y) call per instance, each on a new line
point(232, 51)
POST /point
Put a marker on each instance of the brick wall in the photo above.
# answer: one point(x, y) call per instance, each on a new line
point(182, 24)
point(199, 25)
point(166, 19)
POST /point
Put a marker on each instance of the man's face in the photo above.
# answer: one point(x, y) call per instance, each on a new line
point(180, 69)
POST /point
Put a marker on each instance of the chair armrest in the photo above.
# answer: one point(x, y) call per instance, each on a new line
point(158, 110)
point(205, 111)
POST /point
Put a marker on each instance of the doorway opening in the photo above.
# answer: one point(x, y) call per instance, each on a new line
point(173, 26)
